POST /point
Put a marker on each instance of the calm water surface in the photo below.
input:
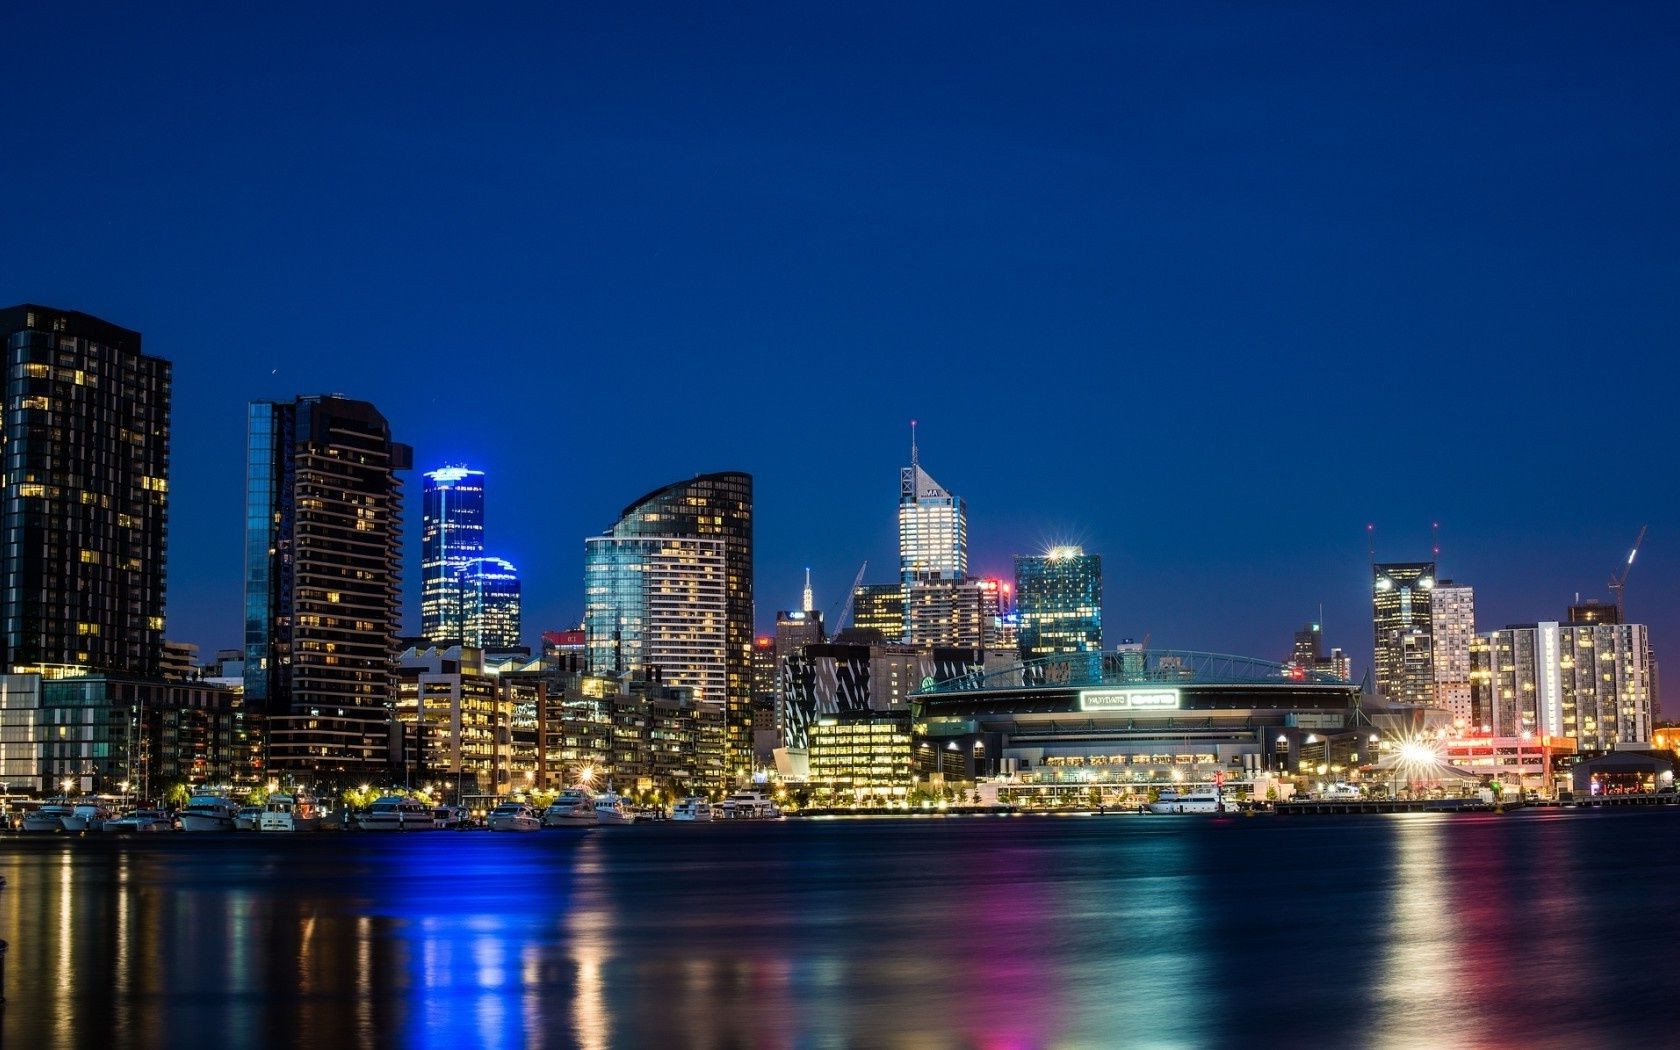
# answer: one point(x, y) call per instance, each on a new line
point(1531, 929)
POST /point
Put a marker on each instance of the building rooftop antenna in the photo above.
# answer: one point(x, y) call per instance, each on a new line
point(810, 606)
point(1435, 542)
point(915, 462)
point(1371, 542)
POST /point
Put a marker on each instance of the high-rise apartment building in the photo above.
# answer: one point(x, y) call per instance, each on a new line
point(932, 527)
point(323, 570)
point(955, 613)
point(84, 497)
point(1058, 599)
point(1452, 612)
point(1589, 682)
point(1403, 656)
point(451, 537)
point(670, 588)
point(488, 592)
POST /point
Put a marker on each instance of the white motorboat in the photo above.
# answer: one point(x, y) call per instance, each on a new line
point(87, 815)
point(692, 809)
point(1196, 800)
point(449, 817)
point(247, 818)
point(395, 813)
point(141, 820)
point(613, 808)
point(574, 806)
point(294, 812)
point(49, 816)
point(514, 816)
point(750, 805)
point(209, 813)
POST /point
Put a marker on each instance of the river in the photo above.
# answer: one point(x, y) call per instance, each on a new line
point(1543, 928)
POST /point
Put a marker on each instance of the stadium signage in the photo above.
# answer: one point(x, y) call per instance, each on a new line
point(1128, 699)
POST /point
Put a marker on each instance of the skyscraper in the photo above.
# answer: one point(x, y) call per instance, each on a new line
point(85, 494)
point(1403, 657)
point(451, 536)
point(323, 569)
point(488, 593)
point(932, 526)
point(955, 614)
point(1452, 611)
point(880, 607)
point(1058, 598)
point(670, 587)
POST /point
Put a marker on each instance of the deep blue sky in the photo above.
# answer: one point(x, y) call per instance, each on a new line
point(1206, 288)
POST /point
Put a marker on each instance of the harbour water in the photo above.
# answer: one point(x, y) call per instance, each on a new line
point(1547, 928)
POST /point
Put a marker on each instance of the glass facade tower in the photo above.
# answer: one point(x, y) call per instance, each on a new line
point(451, 537)
point(84, 501)
point(1401, 615)
point(489, 599)
point(1058, 598)
point(670, 588)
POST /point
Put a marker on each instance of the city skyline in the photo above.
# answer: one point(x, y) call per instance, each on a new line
point(1189, 328)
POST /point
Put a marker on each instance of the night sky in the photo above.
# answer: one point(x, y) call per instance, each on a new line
point(1205, 289)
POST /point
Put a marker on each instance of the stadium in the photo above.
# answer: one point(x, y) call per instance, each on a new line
point(1116, 724)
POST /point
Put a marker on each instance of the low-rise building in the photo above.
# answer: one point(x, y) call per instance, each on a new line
point(864, 753)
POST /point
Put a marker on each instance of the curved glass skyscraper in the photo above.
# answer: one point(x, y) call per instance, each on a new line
point(451, 537)
point(669, 588)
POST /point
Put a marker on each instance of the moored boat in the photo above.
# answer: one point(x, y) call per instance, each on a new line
point(395, 813)
point(574, 806)
point(513, 816)
point(140, 820)
point(86, 815)
point(1196, 800)
point(49, 816)
point(750, 805)
point(290, 812)
point(209, 813)
point(692, 809)
point(247, 818)
point(613, 808)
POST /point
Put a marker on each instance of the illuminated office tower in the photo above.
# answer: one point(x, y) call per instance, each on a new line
point(1590, 682)
point(323, 572)
point(488, 592)
point(451, 536)
point(932, 527)
point(1452, 612)
point(669, 588)
point(1058, 598)
point(85, 496)
point(1403, 657)
point(879, 607)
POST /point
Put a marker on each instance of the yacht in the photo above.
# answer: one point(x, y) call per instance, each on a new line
point(749, 805)
point(87, 815)
point(692, 809)
point(247, 818)
point(297, 812)
point(49, 816)
point(209, 813)
point(514, 816)
point(611, 808)
point(574, 806)
point(141, 820)
point(1196, 800)
point(449, 817)
point(395, 813)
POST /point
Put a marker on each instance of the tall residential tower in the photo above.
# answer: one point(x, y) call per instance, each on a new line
point(323, 570)
point(85, 499)
point(1059, 600)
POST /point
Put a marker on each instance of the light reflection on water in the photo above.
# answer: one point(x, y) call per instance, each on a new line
point(1543, 928)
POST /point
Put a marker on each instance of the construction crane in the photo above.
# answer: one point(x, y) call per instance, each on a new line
point(838, 624)
point(1619, 581)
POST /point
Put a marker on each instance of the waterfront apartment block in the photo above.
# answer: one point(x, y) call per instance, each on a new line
point(1589, 682)
point(1452, 610)
point(323, 571)
point(84, 495)
point(669, 591)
